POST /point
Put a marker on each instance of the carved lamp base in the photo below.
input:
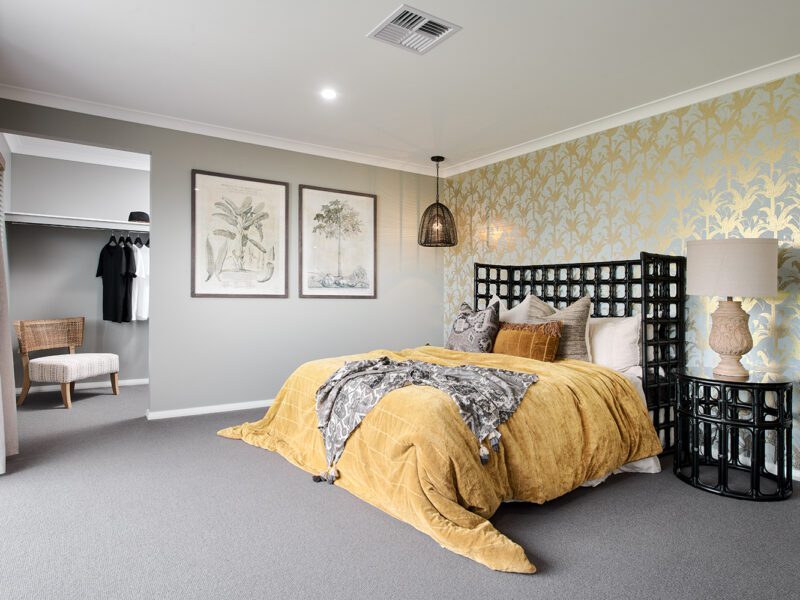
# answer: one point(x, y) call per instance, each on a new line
point(730, 338)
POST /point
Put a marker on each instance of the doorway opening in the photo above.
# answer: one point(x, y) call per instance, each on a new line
point(64, 206)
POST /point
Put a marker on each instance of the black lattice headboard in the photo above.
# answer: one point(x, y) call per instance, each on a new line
point(653, 287)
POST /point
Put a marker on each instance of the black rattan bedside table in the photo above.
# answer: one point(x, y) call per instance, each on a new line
point(723, 426)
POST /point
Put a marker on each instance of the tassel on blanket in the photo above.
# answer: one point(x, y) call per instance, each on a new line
point(494, 440)
point(330, 476)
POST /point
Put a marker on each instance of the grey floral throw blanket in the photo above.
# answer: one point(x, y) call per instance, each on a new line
point(486, 398)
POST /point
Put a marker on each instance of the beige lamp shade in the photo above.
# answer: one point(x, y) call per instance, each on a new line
point(744, 267)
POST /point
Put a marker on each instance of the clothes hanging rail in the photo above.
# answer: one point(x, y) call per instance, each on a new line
point(19, 218)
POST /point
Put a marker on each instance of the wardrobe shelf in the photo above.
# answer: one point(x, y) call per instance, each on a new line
point(74, 222)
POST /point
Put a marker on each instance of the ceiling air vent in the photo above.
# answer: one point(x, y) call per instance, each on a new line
point(413, 30)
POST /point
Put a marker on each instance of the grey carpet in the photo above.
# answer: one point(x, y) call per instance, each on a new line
point(104, 504)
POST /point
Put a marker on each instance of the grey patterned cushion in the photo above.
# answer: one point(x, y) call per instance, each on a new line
point(574, 321)
point(475, 331)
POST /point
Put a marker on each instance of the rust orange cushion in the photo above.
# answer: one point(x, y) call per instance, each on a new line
point(536, 341)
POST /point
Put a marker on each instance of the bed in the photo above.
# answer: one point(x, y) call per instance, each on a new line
point(414, 458)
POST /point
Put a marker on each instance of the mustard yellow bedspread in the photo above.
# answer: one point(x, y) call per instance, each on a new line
point(414, 458)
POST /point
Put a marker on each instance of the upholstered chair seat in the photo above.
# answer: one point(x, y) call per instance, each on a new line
point(66, 368)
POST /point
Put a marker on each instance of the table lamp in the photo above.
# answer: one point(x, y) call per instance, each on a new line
point(743, 267)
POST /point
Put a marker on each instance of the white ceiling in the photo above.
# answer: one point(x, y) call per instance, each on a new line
point(45, 148)
point(530, 70)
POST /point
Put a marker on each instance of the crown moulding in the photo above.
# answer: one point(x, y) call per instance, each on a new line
point(750, 78)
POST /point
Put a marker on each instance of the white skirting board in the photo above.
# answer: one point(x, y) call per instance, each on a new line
point(85, 385)
point(154, 415)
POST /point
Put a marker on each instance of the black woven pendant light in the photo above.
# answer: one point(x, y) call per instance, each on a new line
point(437, 227)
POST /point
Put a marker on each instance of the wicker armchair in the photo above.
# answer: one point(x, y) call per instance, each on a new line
point(65, 369)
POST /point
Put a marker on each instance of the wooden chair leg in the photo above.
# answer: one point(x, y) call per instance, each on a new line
point(26, 386)
point(115, 383)
point(66, 394)
point(26, 381)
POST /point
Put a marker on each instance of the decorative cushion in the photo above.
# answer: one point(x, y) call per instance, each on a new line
point(574, 321)
point(66, 368)
point(474, 331)
point(614, 342)
point(518, 314)
point(539, 342)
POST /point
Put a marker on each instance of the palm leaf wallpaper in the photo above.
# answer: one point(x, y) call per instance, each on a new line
point(728, 167)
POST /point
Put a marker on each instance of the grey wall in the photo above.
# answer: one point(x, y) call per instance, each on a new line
point(208, 351)
point(74, 189)
point(52, 274)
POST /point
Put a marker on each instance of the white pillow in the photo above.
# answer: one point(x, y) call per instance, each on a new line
point(518, 314)
point(614, 342)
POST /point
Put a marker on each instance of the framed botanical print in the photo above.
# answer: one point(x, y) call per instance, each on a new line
point(337, 243)
point(239, 236)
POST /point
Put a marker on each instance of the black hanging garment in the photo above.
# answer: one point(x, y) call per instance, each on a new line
point(116, 272)
point(128, 275)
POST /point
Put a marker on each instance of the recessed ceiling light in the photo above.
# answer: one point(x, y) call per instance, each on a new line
point(328, 94)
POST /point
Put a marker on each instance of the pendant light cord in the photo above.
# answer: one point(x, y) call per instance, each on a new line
point(437, 183)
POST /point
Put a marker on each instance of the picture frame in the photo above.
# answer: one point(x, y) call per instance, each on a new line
point(338, 243)
point(240, 230)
